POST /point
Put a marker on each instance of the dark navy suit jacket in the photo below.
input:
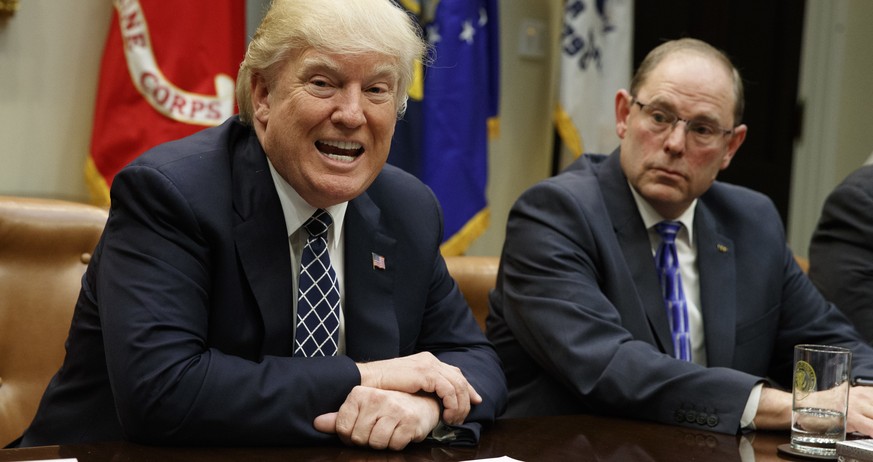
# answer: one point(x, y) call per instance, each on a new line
point(580, 324)
point(841, 250)
point(183, 330)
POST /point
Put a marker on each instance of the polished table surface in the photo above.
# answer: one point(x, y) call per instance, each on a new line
point(573, 438)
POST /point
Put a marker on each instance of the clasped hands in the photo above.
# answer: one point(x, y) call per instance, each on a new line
point(397, 402)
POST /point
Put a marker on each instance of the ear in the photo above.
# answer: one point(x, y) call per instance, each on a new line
point(736, 140)
point(622, 110)
point(260, 98)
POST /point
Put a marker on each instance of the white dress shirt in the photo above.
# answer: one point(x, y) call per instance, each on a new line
point(687, 252)
point(297, 211)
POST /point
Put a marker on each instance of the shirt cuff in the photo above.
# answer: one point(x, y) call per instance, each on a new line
point(747, 421)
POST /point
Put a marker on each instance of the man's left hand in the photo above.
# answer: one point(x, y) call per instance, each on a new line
point(381, 418)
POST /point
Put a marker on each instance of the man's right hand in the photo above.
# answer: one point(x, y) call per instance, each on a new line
point(423, 372)
point(774, 410)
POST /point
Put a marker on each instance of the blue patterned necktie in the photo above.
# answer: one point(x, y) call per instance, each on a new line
point(318, 299)
point(667, 263)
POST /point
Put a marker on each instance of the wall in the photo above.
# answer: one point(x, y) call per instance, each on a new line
point(855, 132)
point(522, 154)
point(49, 59)
point(837, 92)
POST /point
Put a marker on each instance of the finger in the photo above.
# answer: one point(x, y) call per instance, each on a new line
point(383, 432)
point(475, 397)
point(366, 415)
point(862, 421)
point(401, 437)
point(346, 421)
point(447, 393)
point(325, 423)
point(456, 414)
point(421, 416)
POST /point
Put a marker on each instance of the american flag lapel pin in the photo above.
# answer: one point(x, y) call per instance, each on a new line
point(378, 261)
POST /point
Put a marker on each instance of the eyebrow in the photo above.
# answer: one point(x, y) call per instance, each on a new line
point(315, 62)
point(322, 62)
point(667, 106)
point(386, 70)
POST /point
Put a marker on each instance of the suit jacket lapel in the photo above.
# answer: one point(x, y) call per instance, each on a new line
point(634, 242)
point(261, 242)
point(370, 315)
point(717, 271)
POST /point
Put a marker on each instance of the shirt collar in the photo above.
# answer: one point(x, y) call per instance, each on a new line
point(652, 218)
point(297, 210)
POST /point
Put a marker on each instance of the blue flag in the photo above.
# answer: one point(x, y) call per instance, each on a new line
point(443, 138)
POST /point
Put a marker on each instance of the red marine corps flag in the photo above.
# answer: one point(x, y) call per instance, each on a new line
point(168, 71)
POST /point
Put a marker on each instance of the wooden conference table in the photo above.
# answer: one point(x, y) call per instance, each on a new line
point(564, 438)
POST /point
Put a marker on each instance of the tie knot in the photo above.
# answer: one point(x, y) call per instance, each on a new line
point(317, 224)
point(668, 230)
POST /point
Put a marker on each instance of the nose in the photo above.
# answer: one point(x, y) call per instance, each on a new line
point(676, 137)
point(349, 111)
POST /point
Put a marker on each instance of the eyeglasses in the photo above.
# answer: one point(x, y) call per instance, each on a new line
point(702, 132)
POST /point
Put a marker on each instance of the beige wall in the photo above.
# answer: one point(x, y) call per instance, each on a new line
point(855, 133)
point(521, 155)
point(836, 89)
point(50, 54)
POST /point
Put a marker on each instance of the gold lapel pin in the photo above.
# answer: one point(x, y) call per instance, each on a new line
point(721, 248)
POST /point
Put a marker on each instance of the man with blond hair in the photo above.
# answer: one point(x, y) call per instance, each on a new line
point(271, 281)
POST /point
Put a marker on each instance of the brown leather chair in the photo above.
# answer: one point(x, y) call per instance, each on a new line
point(476, 276)
point(44, 248)
point(802, 262)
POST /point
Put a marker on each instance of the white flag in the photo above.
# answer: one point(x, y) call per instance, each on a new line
point(596, 55)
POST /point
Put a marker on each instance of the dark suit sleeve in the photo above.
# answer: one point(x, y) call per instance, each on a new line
point(445, 325)
point(156, 288)
point(841, 250)
point(451, 333)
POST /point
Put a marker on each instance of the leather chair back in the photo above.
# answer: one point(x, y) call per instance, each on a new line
point(803, 262)
point(45, 246)
point(476, 276)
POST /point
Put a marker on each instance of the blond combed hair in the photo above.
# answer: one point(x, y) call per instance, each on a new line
point(345, 27)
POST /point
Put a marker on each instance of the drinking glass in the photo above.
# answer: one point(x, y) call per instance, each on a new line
point(820, 398)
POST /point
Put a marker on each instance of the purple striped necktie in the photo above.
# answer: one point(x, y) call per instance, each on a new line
point(667, 263)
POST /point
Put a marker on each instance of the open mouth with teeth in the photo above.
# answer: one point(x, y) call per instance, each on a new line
point(343, 151)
